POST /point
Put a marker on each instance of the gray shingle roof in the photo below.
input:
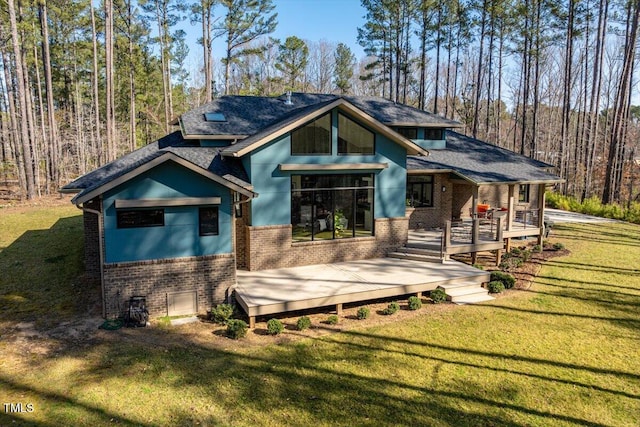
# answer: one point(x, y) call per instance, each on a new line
point(248, 115)
point(391, 113)
point(207, 158)
point(483, 163)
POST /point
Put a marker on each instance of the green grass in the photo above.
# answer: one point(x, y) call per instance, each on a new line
point(565, 352)
point(41, 252)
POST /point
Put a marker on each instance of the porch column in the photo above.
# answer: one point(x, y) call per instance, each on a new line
point(511, 205)
point(474, 202)
point(541, 203)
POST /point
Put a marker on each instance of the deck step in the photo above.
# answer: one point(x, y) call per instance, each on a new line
point(467, 293)
point(419, 251)
point(463, 288)
point(472, 299)
point(416, 257)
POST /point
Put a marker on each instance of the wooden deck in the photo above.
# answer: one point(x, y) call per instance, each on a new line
point(288, 289)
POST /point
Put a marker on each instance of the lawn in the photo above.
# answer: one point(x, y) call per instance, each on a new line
point(564, 352)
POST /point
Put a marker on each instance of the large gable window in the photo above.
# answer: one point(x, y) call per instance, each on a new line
point(420, 191)
point(312, 138)
point(325, 207)
point(354, 138)
point(134, 218)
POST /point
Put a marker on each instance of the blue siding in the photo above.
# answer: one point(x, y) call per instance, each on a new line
point(180, 235)
point(273, 205)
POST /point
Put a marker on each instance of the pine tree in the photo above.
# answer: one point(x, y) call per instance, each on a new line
point(245, 21)
point(343, 73)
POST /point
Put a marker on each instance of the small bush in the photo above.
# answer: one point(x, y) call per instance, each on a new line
point(558, 246)
point(333, 319)
point(236, 329)
point(537, 248)
point(363, 313)
point(303, 323)
point(391, 308)
point(510, 263)
point(507, 280)
point(525, 255)
point(515, 252)
point(478, 266)
point(415, 303)
point(495, 287)
point(221, 313)
point(274, 326)
point(438, 296)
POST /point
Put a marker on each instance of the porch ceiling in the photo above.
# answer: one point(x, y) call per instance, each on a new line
point(288, 289)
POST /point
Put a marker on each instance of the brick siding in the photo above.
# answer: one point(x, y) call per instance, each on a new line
point(429, 217)
point(272, 247)
point(209, 276)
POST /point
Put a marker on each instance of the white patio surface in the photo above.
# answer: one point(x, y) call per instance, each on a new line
point(289, 289)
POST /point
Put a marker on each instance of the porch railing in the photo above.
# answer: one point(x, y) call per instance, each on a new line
point(527, 218)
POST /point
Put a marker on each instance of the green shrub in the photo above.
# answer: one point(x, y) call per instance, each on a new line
point(495, 287)
point(525, 255)
point(415, 303)
point(478, 266)
point(303, 323)
point(363, 313)
point(333, 319)
point(391, 308)
point(558, 246)
point(537, 248)
point(515, 252)
point(236, 328)
point(438, 296)
point(274, 326)
point(221, 313)
point(593, 206)
point(507, 280)
point(510, 263)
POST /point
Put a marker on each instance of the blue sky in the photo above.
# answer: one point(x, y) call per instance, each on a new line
point(335, 21)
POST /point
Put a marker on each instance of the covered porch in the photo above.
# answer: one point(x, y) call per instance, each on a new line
point(281, 290)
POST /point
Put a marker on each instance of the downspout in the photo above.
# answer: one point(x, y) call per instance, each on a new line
point(233, 230)
point(100, 251)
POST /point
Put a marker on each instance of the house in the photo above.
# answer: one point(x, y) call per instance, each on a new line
point(253, 183)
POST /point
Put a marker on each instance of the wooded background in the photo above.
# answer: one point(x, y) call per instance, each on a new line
point(81, 85)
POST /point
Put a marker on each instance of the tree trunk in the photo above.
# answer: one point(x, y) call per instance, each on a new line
point(96, 90)
point(22, 110)
point(54, 143)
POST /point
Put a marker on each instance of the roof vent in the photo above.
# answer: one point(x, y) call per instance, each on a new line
point(288, 101)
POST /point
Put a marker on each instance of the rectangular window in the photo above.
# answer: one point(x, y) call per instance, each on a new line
point(409, 133)
point(354, 138)
point(420, 191)
point(325, 207)
point(433, 134)
point(134, 218)
point(523, 193)
point(208, 221)
point(312, 138)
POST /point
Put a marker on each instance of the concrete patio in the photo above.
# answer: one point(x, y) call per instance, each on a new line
point(288, 289)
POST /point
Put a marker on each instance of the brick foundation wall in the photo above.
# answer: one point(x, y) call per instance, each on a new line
point(210, 276)
point(272, 247)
